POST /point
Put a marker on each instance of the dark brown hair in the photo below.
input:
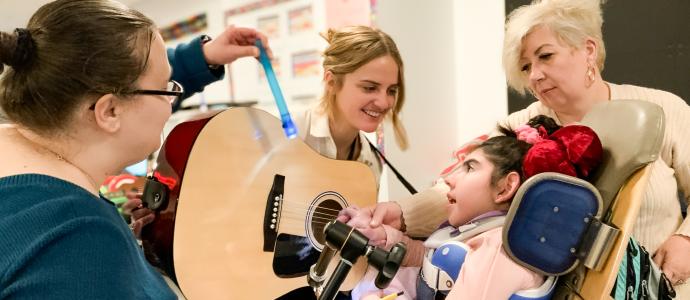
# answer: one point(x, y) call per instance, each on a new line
point(507, 153)
point(72, 51)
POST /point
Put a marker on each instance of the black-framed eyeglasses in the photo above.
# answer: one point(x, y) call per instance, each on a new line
point(172, 92)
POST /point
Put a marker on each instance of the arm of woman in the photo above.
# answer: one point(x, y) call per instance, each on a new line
point(190, 68)
point(422, 212)
point(674, 254)
point(200, 62)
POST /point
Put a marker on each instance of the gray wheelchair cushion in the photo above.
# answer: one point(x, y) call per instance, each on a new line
point(631, 132)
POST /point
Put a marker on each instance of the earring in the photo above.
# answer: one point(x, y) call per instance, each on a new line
point(589, 76)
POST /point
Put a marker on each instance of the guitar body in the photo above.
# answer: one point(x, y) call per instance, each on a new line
point(245, 215)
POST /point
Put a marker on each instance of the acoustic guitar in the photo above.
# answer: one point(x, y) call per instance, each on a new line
point(246, 207)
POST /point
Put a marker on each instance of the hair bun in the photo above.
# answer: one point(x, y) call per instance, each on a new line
point(16, 50)
point(24, 50)
point(329, 35)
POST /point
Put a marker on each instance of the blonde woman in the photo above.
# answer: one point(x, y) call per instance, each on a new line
point(363, 85)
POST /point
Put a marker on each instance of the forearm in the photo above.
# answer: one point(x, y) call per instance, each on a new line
point(415, 249)
point(678, 119)
point(415, 252)
point(426, 210)
point(190, 68)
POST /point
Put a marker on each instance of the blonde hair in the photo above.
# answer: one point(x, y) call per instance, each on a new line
point(573, 21)
point(352, 47)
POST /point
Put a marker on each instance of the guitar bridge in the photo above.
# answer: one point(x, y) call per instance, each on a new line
point(272, 212)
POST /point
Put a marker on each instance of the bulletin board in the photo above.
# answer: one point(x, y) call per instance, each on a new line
point(293, 28)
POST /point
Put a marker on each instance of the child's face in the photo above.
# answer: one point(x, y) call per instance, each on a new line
point(471, 193)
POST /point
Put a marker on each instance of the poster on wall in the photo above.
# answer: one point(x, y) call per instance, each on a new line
point(293, 28)
point(184, 28)
point(269, 25)
point(300, 20)
point(305, 64)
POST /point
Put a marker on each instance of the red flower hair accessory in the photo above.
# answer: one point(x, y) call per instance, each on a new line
point(573, 150)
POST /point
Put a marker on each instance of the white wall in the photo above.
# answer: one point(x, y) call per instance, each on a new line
point(481, 85)
point(16, 13)
point(455, 85)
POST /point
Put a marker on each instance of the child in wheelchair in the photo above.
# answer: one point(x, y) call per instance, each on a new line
point(464, 258)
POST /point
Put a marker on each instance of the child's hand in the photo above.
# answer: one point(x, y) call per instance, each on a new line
point(355, 217)
point(360, 219)
point(376, 235)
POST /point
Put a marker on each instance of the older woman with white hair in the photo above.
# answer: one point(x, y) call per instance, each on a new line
point(554, 50)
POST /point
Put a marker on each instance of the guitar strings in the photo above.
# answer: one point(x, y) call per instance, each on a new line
point(305, 209)
point(300, 215)
point(295, 210)
point(298, 211)
point(327, 217)
point(304, 204)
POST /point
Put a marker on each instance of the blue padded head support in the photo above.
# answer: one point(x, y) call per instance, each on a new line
point(546, 221)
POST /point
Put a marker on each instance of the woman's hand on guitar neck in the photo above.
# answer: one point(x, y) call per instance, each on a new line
point(141, 216)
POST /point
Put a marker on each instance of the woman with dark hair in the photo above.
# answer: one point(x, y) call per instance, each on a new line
point(87, 91)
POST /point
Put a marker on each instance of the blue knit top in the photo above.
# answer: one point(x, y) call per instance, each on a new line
point(58, 241)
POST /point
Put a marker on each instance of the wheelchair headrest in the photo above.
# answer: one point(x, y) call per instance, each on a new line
point(631, 132)
point(547, 220)
point(550, 222)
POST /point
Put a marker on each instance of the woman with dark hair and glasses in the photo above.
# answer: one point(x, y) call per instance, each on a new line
point(86, 86)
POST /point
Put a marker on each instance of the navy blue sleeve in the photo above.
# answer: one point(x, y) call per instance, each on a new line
point(190, 69)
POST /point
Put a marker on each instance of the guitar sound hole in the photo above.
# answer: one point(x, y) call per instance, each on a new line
point(325, 211)
point(295, 254)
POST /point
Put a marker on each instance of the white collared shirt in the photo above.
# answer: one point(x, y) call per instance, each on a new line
point(315, 131)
